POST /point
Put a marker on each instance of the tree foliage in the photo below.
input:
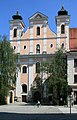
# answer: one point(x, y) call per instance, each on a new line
point(37, 83)
point(8, 66)
point(56, 83)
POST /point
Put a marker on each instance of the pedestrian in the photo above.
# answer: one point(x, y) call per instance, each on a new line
point(38, 103)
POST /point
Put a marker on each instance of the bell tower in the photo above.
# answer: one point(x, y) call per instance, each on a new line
point(16, 27)
point(62, 26)
point(16, 31)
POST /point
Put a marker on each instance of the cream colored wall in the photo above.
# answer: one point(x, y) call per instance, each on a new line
point(26, 35)
point(63, 41)
point(14, 43)
point(23, 77)
point(49, 48)
point(22, 44)
point(35, 31)
point(50, 33)
point(25, 42)
point(38, 40)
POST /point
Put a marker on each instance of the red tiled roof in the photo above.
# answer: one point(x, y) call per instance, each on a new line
point(73, 39)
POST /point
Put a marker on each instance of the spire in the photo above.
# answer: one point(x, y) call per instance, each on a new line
point(62, 9)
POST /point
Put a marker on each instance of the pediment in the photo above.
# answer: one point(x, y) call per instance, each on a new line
point(38, 15)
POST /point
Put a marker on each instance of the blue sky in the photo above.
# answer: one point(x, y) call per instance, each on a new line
point(28, 7)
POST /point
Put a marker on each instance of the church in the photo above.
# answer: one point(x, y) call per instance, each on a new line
point(37, 44)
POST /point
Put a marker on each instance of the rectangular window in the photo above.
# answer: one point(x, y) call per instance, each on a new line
point(75, 62)
point(75, 79)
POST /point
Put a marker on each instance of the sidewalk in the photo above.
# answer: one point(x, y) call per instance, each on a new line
point(66, 110)
point(18, 104)
point(23, 107)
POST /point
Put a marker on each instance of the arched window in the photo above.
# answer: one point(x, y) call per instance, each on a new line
point(38, 30)
point(24, 88)
point(37, 48)
point(37, 67)
point(62, 29)
point(24, 69)
point(15, 32)
point(62, 45)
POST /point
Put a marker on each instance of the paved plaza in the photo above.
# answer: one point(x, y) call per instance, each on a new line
point(23, 111)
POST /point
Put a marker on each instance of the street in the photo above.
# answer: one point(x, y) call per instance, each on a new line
point(22, 111)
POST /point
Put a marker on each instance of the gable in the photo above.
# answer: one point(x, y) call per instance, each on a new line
point(38, 16)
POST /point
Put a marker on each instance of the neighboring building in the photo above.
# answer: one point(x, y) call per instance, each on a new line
point(37, 44)
point(72, 62)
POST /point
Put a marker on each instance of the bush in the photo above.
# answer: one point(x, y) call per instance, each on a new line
point(2, 100)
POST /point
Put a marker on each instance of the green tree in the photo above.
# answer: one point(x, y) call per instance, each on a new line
point(8, 67)
point(56, 83)
point(37, 88)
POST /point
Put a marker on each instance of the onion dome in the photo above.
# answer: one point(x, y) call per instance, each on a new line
point(17, 16)
point(62, 12)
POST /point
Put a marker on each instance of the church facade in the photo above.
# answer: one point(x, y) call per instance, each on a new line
point(37, 44)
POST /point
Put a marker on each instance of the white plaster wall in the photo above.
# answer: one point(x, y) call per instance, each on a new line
point(70, 70)
point(11, 34)
point(18, 42)
point(58, 35)
point(30, 81)
point(44, 41)
point(67, 39)
point(31, 41)
point(18, 86)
